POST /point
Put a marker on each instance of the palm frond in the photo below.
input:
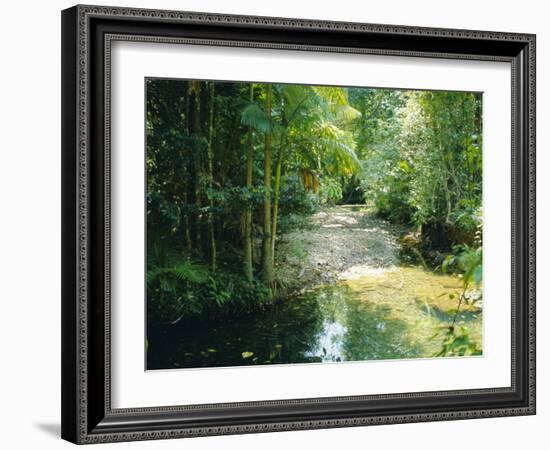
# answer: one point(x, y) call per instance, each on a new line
point(332, 94)
point(347, 113)
point(253, 116)
point(295, 96)
point(343, 155)
point(339, 146)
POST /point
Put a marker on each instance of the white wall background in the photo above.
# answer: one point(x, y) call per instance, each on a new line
point(30, 223)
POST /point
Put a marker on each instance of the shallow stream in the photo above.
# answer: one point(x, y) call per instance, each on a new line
point(375, 314)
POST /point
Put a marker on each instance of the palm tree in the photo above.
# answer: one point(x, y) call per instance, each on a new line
point(308, 122)
point(248, 213)
point(267, 255)
point(305, 121)
point(255, 119)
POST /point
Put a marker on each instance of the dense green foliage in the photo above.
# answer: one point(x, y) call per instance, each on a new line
point(229, 167)
point(422, 159)
point(233, 166)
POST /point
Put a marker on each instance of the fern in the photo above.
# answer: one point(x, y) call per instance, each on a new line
point(191, 271)
point(187, 270)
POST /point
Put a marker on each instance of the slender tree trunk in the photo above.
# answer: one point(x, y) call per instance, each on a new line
point(195, 169)
point(267, 259)
point(276, 189)
point(188, 242)
point(445, 171)
point(187, 221)
point(248, 268)
point(478, 132)
point(210, 180)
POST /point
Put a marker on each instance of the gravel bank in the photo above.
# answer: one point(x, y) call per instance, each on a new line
point(342, 242)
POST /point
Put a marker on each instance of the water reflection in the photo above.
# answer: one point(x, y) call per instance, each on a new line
point(392, 314)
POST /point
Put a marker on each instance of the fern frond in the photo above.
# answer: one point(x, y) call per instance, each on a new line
point(187, 270)
point(191, 271)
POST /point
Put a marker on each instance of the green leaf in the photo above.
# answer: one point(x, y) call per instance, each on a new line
point(254, 117)
point(246, 355)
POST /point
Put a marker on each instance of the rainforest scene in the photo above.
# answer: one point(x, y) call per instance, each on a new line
point(294, 224)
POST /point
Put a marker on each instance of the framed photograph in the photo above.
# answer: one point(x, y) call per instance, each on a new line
point(279, 224)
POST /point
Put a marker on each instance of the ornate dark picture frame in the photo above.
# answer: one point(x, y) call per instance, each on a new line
point(87, 33)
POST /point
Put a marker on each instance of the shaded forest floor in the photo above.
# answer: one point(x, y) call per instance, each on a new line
point(342, 242)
